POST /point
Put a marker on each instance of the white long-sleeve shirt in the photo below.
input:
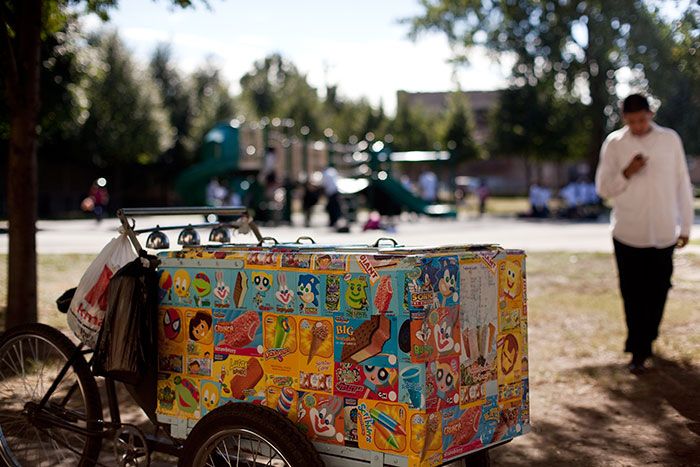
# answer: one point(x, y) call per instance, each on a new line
point(655, 205)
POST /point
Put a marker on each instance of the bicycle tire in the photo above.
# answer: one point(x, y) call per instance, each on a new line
point(281, 433)
point(87, 384)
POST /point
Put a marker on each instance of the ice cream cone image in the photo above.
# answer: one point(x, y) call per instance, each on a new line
point(319, 334)
point(431, 429)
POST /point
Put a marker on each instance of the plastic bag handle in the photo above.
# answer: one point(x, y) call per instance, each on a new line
point(305, 237)
point(385, 239)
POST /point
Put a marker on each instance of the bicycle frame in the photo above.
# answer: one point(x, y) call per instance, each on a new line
point(103, 429)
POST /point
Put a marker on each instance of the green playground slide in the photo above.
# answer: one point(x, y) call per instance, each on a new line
point(219, 157)
point(411, 202)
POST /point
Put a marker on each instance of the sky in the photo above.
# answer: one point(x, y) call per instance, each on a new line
point(358, 45)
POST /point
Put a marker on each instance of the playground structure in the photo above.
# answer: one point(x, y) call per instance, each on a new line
point(265, 181)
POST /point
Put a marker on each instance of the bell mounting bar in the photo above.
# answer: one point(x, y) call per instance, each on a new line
point(243, 223)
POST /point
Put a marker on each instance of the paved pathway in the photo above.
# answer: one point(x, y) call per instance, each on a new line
point(85, 236)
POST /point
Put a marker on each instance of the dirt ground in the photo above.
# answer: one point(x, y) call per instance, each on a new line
point(586, 409)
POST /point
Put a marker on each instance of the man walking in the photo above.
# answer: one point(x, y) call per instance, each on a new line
point(643, 171)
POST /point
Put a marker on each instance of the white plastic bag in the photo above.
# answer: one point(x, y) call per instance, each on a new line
point(89, 304)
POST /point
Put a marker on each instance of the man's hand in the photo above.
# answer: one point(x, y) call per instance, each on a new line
point(682, 241)
point(637, 164)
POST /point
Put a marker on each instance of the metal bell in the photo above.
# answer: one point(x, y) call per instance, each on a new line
point(220, 234)
point(157, 240)
point(188, 237)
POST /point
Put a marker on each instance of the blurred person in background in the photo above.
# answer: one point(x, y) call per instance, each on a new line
point(97, 199)
point(428, 184)
point(483, 193)
point(643, 171)
point(330, 189)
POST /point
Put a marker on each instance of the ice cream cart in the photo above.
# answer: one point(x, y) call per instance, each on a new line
point(380, 355)
point(302, 354)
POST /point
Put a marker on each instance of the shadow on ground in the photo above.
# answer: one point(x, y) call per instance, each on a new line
point(648, 419)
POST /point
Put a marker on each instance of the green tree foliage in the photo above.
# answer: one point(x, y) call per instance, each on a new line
point(177, 101)
point(413, 128)
point(126, 121)
point(212, 100)
point(674, 78)
point(276, 88)
point(530, 122)
point(456, 132)
point(575, 47)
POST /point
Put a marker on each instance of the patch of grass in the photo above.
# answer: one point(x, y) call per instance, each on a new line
point(57, 273)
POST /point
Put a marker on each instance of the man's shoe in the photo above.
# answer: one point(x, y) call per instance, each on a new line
point(637, 366)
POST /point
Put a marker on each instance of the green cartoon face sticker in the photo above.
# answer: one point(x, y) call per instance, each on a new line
point(356, 293)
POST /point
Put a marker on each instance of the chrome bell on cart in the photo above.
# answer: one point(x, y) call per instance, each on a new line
point(220, 234)
point(188, 237)
point(157, 240)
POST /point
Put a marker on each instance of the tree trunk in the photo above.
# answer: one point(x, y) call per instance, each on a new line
point(23, 54)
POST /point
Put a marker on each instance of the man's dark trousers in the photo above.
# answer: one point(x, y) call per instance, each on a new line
point(645, 278)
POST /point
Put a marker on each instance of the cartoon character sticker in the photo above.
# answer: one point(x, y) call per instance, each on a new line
point(283, 295)
point(511, 278)
point(308, 293)
point(262, 283)
point(200, 327)
point(321, 417)
point(199, 366)
point(171, 363)
point(166, 395)
point(202, 288)
point(295, 260)
point(445, 324)
point(329, 262)
point(210, 396)
point(508, 358)
point(443, 375)
point(366, 381)
point(181, 285)
point(222, 291)
point(170, 329)
point(165, 287)
point(187, 391)
point(355, 293)
point(443, 274)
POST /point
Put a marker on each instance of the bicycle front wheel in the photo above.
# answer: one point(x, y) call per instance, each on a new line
point(32, 357)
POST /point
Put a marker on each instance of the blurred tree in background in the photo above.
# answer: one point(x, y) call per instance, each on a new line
point(212, 101)
point(413, 127)
point(532, 123)
point(576, 48)
point(177, 101)
point(25, 25)
point(456, 132)
point(126, 120)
